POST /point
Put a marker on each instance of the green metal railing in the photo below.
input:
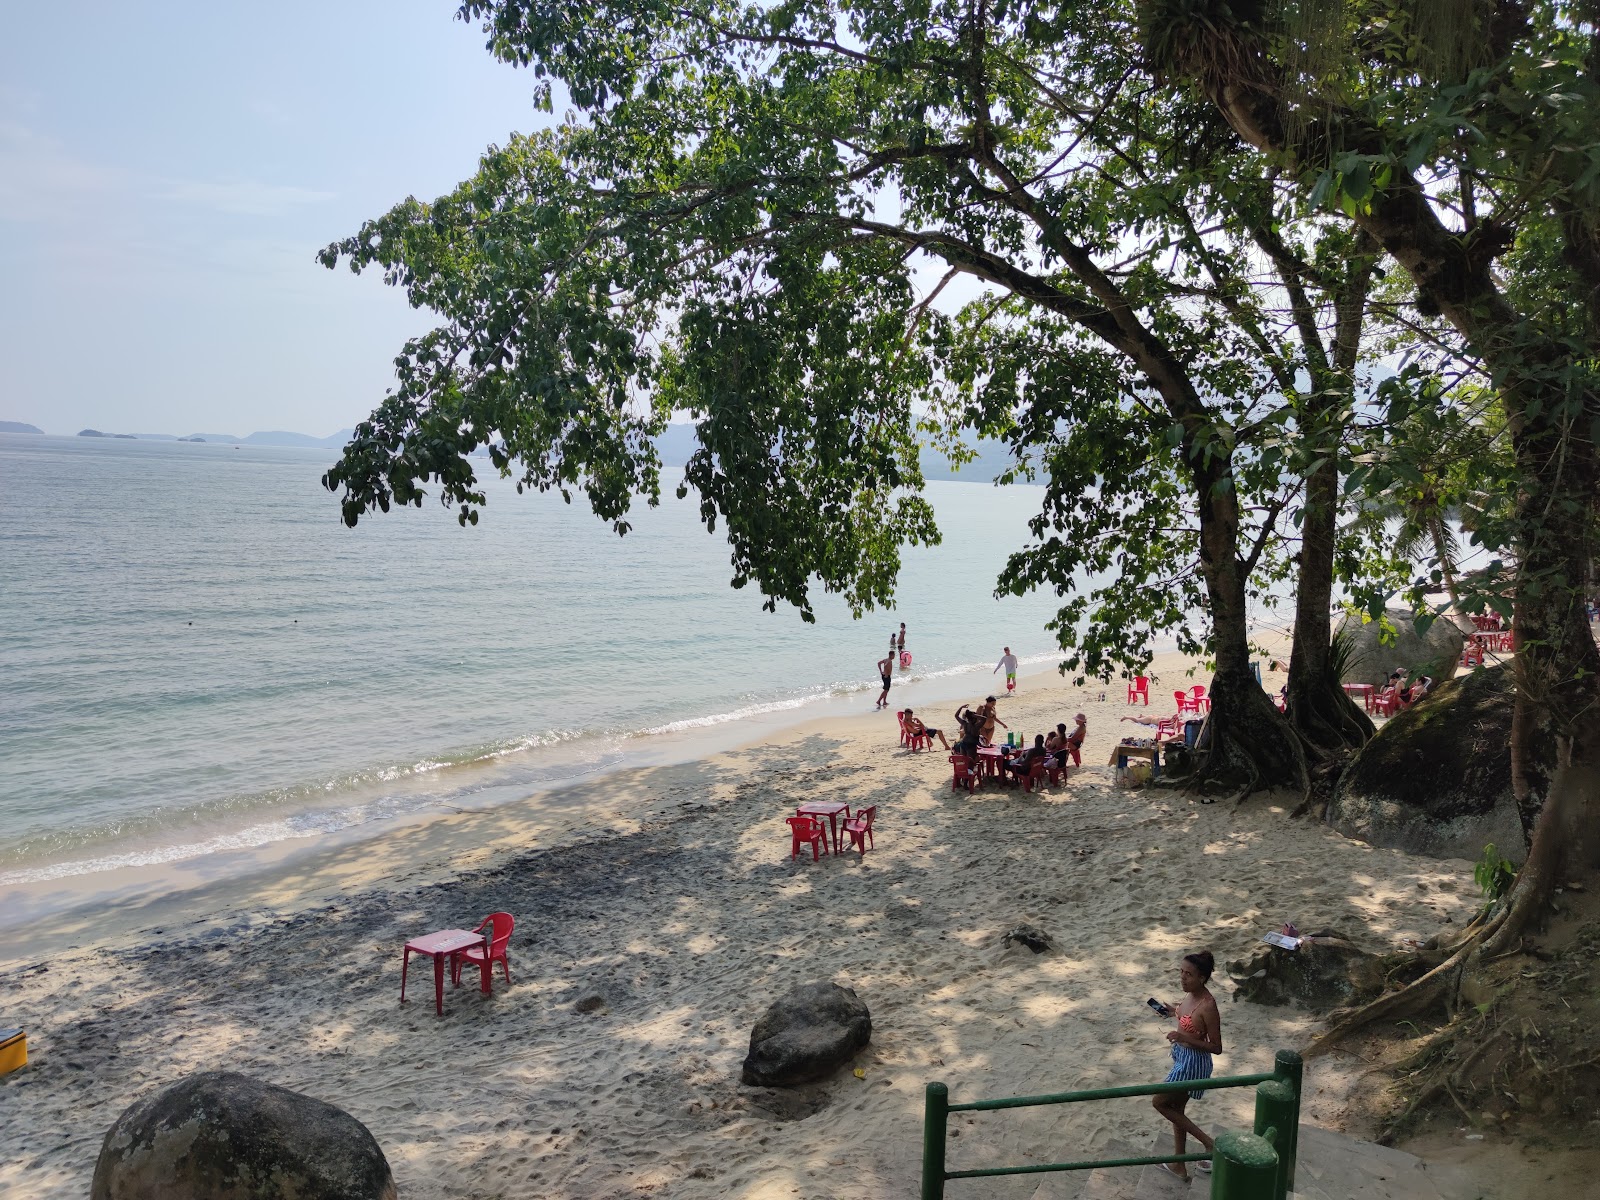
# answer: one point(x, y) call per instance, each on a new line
point(1245, 1166)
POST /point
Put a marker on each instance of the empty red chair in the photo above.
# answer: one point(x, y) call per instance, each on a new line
point(496, 930)
point(965, 776)
point(807, 831)
point(1139, 689)
point(1184, 702)
point(1197, 698)
point(859, 827)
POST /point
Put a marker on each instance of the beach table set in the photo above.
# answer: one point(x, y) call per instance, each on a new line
point(1364, 690)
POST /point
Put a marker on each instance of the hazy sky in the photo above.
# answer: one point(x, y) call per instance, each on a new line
point(168, 171)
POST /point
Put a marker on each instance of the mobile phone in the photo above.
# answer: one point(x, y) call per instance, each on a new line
point(1160, 1008)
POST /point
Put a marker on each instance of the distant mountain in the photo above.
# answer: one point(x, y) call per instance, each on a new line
point(18, 427)
point(283, 438)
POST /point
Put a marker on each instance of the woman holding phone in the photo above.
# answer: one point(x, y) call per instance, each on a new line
point(1197, 1037)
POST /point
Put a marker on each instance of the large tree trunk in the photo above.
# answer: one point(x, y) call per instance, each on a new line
point(1318, 708)
point(1246, 743)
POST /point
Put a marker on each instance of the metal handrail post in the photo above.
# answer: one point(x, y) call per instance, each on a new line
point(1290, 1068)
point(1274, 1119)
point(1243, 1167)
point(936, 1112)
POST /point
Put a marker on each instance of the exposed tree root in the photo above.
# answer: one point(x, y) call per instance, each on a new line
point(1246, 745)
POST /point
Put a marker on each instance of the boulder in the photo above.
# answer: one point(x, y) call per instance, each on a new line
point(218, 1135)
point(1435, 653)
point(1436, 779)
point(806, 1035)
point(1328, 971)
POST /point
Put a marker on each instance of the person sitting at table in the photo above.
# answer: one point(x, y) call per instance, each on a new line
point(990, 720)
point(1022, 764)
point(1418, 689)
point(915, 725)
point(1073, 742)
point(1055, 739)
point(971, 722)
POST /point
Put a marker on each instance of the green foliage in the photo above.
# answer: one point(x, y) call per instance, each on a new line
point(739, 223)
point(1494, 874)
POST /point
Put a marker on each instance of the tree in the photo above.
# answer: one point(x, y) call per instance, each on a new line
point(1466, 148)
point(733, 227)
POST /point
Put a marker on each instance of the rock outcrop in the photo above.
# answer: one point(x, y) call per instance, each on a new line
point(1436, 779)
point(224, 1136)
point(1327, 971)
point(806, 1035)
point(1435, 653)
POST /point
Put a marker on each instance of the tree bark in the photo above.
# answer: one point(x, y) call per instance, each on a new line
point(1247, 743)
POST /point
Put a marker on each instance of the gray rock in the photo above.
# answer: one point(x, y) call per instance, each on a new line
point(1436, 653)
point(806, 1035)
point(1031, 936)
point(1327, 971)
point(1436, 779)
point(218, 1135)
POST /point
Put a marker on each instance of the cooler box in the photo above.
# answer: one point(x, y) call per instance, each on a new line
point(13, 1050)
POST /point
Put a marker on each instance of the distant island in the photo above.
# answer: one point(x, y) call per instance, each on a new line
point(18, 427)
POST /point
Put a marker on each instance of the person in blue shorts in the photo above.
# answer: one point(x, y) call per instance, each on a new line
point(1197, 1037)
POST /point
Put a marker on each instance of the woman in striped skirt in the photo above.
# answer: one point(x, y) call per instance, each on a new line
point(1197, 1037)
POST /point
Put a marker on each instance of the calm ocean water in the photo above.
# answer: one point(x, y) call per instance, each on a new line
point(197, 657)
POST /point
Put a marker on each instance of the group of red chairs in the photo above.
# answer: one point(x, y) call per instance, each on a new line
point(813, 831)
point(969, 774)
point(1194, 700)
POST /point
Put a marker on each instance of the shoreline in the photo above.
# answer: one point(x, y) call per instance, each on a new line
point(651, 936)
point(57, 896)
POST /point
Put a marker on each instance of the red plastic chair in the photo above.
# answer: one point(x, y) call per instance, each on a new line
point(1386, 702)
point(917, 741)
point(1034, 779)
point(1472, 652)
point(499, 926)
point(1184, 702)
point(1197, 698)
point(1139, 689)
point(806, 831)
point(965, 775)
point(1056, 767)
point(859, 828)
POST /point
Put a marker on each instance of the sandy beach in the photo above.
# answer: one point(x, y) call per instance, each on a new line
point(666, 900)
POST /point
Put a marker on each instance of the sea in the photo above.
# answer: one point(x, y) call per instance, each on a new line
point(197, 657)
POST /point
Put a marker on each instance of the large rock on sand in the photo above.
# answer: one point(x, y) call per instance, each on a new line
point(1327, 971)
point(1435, 653)
point(1436, 779)
point(806, 1035)
point(223, 1136)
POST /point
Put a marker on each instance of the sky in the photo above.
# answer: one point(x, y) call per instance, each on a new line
point(168, 172)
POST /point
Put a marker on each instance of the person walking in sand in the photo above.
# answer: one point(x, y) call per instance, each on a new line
point(1008, 660)
point(1197, 1037)
point(886, 673)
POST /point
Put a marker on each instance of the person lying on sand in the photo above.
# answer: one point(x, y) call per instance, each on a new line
point(1197, 1037)
point(916, 726)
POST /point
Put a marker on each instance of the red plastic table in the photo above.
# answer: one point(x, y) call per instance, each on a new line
point(439, 947)
point(829, 809)
point(990, 757)
point(1364, 690)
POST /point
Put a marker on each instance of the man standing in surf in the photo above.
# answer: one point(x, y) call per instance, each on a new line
point(886, 673)
point(1008, 660)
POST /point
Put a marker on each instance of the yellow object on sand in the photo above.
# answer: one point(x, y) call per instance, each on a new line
point(860, 1074)
point(13, 1050)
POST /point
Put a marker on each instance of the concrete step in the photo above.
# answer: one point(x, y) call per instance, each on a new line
point(1112, 1183)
